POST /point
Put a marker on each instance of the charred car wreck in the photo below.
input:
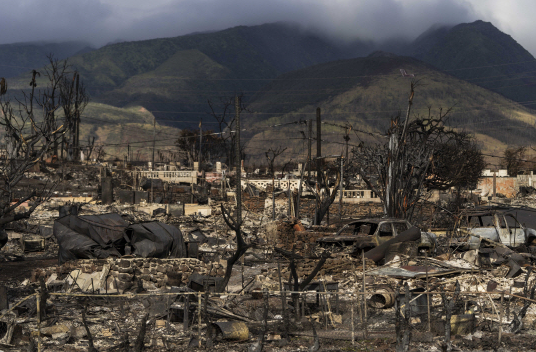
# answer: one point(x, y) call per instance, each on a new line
point(367, 234)
point(493, 225)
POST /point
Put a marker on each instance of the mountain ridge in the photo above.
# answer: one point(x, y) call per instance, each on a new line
point(373, 92)
point(18, 58)
point(480, 53)
point(174, 77)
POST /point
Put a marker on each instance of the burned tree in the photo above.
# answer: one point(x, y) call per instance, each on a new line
point(418, 154)
point(271, 154)
point(235, 224)
point(189, 140)
point(324, 194)
point(457, 162)
point(296, 284)
point(32, 126)
point(514, 160)
point(73, 99)
point(226, 125)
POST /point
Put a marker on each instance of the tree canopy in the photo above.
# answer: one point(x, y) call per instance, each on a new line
point(211, 145)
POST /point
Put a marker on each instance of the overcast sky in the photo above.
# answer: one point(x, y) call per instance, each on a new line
point(103, 21)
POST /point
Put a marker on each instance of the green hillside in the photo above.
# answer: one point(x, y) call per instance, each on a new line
point(18, 58)
point(366, 92)
point(174, 77)
point(480, 53)
point(115, 128)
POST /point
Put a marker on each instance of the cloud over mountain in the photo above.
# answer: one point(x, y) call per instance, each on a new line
point(101, 21)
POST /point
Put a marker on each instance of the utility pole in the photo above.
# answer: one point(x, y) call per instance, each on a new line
point(318, 146)
point(347, 138)
point(53, 99)
point(152, 163)
point(273, 197)
point(341, 189)
point(309, 160)
point(238, 166)
point(154, 137)
point(77, 150)
point(200, 139)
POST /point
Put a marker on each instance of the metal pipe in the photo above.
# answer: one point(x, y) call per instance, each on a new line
point(364, 291)
point(38, 307)
point(199, 319)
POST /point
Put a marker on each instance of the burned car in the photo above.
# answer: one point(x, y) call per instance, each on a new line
point(495, 225)
point(366, 234)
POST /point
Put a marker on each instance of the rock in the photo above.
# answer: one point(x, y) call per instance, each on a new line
point(78, 332)
point(55, 329)
point(124, 264)
point(123, 285)
point(174, 278)
point(60, 336)
point(125, 277)
point(125, 270)
point(148, 285)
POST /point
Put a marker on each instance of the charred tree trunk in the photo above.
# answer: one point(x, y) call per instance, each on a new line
point(91, 347)
point(235, 225)
point(325, 197)
point(139, 345)
point(449, 306)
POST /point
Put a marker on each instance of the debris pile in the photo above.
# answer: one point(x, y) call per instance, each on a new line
point(150, 274)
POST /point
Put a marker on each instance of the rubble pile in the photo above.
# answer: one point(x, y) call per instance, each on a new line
point(480, 277)
point(290, 234)
point(253, 203)
point(339, 266)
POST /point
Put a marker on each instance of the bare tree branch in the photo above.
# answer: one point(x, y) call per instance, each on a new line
point(33, 128)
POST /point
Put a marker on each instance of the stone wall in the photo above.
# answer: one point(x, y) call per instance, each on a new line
point(122, 274)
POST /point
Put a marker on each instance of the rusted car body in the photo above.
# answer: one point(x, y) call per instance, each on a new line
point(365, 234)
point(495, 225)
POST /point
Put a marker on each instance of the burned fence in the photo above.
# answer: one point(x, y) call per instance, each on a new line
point(399, 317)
